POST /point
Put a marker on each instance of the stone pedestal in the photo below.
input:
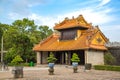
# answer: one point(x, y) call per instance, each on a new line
point(75, 69)
point(51, 71)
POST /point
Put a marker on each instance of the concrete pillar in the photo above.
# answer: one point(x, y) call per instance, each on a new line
point(38, 57)
point(62, 58)
point(44, 57)
point(85, 53)
point(66, 58)
point(69, 58)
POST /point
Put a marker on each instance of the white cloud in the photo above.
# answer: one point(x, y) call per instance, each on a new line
point(98, 14)
point(112, 32)
point(90, 14)
point(15, 16)
point(104, 2)
point(94, 14)
point(42, 20)
point(23, 7)
point(96, 17)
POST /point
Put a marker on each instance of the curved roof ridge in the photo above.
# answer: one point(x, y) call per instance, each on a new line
point(48, 38)
point(71, 23)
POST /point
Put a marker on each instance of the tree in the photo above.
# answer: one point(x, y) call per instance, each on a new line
point(23, 45)
point(1, 32)
point(23, 40)
point(9, 36)
point(20, 37)
point(24, 25)
point(3, 28)
point(45, 31)
point(10, 55)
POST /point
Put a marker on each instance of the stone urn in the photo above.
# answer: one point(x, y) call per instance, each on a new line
point(17, 71)
point(75, 59)
point(75, 66)
point(51, 68)
point(51, 62)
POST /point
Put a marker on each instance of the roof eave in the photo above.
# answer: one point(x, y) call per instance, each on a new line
point(59, 28)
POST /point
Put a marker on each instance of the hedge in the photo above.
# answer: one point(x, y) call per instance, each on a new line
point(107, 67)
point(22, 64)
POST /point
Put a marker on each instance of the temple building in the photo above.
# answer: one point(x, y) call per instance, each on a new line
point(73, 36)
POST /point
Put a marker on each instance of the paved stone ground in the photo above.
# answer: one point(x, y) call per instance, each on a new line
point(62, 73)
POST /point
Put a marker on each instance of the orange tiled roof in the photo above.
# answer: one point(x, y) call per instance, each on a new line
point(52, 43)
point(99, 47)
point(71, 23)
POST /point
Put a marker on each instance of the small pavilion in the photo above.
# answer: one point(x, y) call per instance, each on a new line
point(74, 35)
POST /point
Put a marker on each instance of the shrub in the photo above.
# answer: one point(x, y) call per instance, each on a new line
point(25, 64)
point(22, 64)
point(75, 58)
point(100, 67)
point(107, 67)
point(109, 59)
point(17, 61)
point(51, 58)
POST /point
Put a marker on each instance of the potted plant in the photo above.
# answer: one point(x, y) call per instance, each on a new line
point(51, 61)
point(75, 59)
point(17, 69)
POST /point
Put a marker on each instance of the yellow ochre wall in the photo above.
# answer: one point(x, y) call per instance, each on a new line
point(98, 40)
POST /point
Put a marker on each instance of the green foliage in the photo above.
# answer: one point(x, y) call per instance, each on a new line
point(51, 58)
point(3, 28)
point(75, 58)
point(45, 31)
point(25, 64)
point(24, 25)
point(109, 59)
point(10, 55)
point(22, 64)
point(1, 33)
point(19, 38)
point(107, 67)
point(17, 60)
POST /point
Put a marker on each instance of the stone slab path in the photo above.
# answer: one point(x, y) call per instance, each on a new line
point(61, 73)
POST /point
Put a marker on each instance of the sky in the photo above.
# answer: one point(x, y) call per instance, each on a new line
point(104, 13)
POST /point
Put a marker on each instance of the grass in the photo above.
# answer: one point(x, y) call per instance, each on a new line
point(107, 67)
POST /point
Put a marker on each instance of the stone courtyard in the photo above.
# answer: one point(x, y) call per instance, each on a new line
point(62, 72)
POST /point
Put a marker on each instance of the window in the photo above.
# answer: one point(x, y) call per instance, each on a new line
point(68, 34)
